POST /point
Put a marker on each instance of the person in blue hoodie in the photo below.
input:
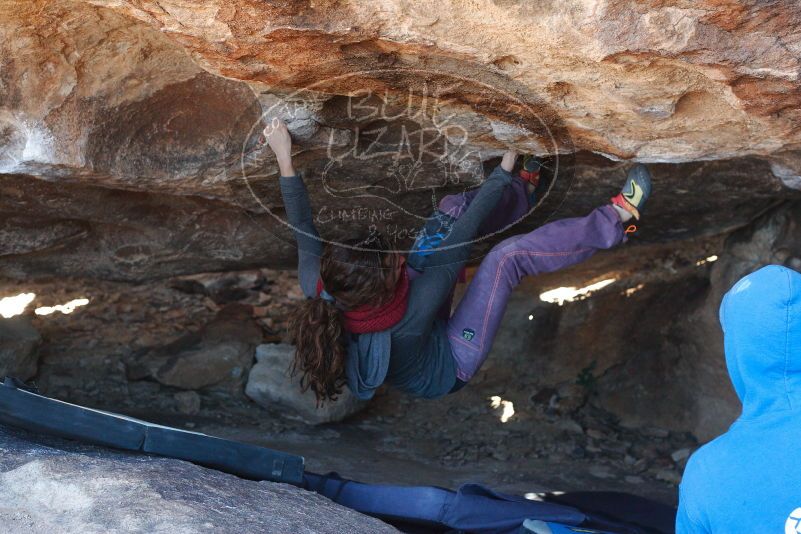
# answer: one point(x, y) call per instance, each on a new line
point(749, 479)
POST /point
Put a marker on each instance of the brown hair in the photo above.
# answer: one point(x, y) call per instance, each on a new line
point(357, 274)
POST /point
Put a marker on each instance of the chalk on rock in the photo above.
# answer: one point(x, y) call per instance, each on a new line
point(271, 386)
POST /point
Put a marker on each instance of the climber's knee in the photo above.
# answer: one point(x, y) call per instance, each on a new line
point(452, 205)
point(505, 248)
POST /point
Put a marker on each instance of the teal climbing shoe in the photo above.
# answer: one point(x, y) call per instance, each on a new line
point(635, 191)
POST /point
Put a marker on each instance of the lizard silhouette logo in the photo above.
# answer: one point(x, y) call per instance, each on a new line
point(379, 149)
point(793, 523)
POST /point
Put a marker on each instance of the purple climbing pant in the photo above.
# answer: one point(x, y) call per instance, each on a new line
point(472, 328)
point(513, 206)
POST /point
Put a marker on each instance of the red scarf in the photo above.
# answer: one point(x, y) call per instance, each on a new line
point(366, 319)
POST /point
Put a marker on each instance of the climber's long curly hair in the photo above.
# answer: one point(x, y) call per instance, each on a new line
point(357, 274)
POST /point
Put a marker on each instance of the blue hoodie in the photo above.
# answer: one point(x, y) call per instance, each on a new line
point(749, 479)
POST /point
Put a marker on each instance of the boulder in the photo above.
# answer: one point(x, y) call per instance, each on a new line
point(774, 238)
point(130, 131)
point(50, 485)
point(19, 347)
point(665, 81)
point(187, 402)
point(218, 356)
point(271, 386)
point(205, 366)
point(697, 383)
point(129, 150)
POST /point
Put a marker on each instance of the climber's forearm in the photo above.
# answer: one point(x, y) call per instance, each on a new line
point(285, 166)
point(297, 206)
point(277, 136)
point(310, 246)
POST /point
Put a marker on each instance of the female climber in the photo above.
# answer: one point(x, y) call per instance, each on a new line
point(370, 318)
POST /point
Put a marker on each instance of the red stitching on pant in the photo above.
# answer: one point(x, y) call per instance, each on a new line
point(499, 270)
point(605, 211)
point(491, 300)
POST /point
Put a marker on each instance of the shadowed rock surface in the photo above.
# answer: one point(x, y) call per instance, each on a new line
point(130, 154)
point(649, 347)
point(131, 129)
point(51, 485)
point(19, 347)
point(219, 356)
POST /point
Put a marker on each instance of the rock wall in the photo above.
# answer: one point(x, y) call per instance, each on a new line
point(271, 384)
point(89, 95)
point(130, 128)
point(129, 145)
point(690, 386)
point(649, 347)
point(660, 80)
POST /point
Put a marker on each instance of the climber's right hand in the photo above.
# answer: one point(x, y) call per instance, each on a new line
point(508, 161)
point(278, 138)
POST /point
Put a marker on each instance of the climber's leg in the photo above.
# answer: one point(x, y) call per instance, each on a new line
point(549, 248)
point(512, 207)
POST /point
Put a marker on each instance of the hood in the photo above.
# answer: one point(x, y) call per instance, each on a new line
point(367, 362)
point(761, 319)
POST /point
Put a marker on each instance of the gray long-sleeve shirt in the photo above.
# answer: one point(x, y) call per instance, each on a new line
point(420, 359)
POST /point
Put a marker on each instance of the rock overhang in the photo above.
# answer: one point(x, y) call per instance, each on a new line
point(166, 100)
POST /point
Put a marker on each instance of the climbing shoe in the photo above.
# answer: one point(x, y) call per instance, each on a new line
point(530, 171)
point(635, 191)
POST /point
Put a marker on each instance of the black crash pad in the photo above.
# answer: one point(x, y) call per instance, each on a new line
point(23, 408)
